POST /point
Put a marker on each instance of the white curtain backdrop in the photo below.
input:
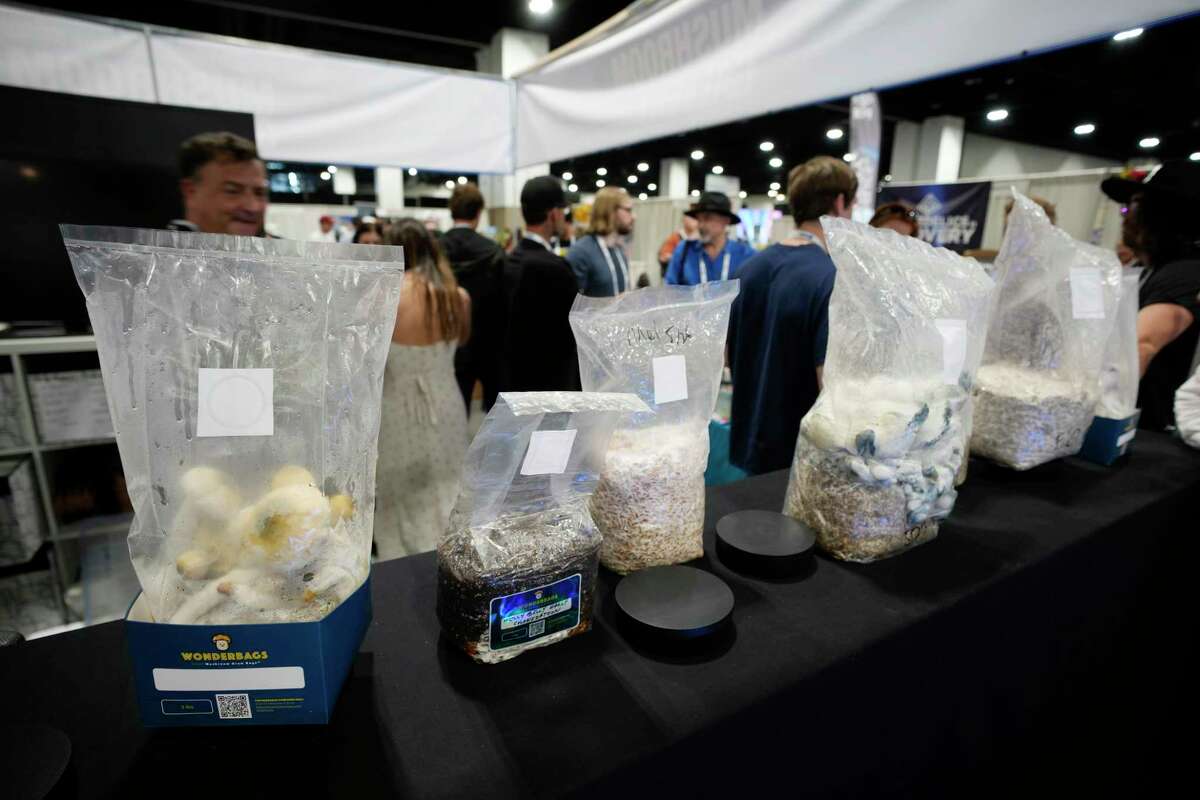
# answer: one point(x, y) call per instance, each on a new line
point(690, 64)
point(323, 107)
point(307, 106)
point(61, 54)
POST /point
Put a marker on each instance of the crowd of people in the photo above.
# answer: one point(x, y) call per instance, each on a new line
point(474, 312)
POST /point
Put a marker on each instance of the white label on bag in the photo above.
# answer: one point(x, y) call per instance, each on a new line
point(954, 348)
point(236, 402)
point(220, 680)
point(670, 379)
point(548, 453)
point(1087, 293)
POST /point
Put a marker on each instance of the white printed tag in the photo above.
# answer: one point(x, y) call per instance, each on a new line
point(1087, 293)
point(670, 379)
point(954, 348)
point(548, 453)
point(236, 402)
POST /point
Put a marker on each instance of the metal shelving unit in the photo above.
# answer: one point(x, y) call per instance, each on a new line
point(17, 351)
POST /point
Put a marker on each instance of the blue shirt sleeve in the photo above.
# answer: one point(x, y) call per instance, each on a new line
point(821, 321)
point(675, 268)
point(579, 265)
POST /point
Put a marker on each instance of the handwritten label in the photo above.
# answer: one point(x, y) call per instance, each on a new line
point(548, 452)
point(236, 402)
point(671, 334)
point(670, 379)
point(1087, 293)
point(954, 348)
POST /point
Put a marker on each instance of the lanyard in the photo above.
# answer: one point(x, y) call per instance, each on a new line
point(612, 270)
point(812, 239)
point(724, 266)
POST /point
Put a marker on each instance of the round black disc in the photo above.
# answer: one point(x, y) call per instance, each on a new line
point(765, 542)
point(675, 602)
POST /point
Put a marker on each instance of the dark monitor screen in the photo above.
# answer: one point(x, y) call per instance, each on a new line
point(86, 161)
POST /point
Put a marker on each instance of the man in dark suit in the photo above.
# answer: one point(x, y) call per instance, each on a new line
point(478, 265)
point(540, 348)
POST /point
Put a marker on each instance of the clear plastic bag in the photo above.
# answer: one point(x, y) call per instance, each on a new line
point(244, 378)
point(517, 564)
point(1121, 373)
point(667, 346)
point(1036, 391)
point(878, 452)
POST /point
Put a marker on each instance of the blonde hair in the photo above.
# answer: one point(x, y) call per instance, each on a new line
point(604, 210)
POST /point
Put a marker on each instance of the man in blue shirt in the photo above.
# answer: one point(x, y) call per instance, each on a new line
point(714, 257)
point(780, 322)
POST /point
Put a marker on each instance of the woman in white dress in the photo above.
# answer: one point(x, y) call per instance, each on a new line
point(423, 430)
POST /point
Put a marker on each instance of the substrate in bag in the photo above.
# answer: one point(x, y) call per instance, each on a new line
point(517, 564)
point(667, 345)
point(244, 377)
point(1036, 391)
point(877, 454)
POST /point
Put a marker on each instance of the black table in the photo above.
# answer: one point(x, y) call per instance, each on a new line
point(1042, 642)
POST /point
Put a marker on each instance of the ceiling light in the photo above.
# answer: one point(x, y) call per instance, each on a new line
point(643, 166)
point(331, 169)
point(695, 192)
point(742, 195)
point(567, 176)
point(601, 171)
point(449, 184)
point(412, 171)
point(643, 196)
point(325, 176)
point(776, 162)
point(653, 187)
point(541, 6)
point(697, 155)
point(717, 169)
point(772, 193)
point(1124, 36)
point(774, 185)
point(1084, 129)
point(1194, 156)
point(848, 157)
point(600, 184)
point(834, 133)
point(574, 187)
point(1148, 142)
point(766, 147)
point(997, 114)
point(462, 179)
point(632, 179)
point(887, 178)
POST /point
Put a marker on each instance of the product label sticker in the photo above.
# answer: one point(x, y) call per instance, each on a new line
point(236, 402)
point(1087, 293)
point(527, 616)
point(548, 453)
point(670, 379)
point(954, 348)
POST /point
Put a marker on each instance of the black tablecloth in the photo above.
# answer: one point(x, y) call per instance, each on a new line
point(1042, 642)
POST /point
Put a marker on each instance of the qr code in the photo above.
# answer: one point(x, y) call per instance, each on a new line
point(233, 706)
point(537, 628)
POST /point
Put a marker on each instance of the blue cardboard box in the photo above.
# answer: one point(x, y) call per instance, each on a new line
point(1109, 439)
point(284, 674)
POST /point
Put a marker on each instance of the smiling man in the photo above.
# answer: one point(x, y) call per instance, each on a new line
point(224, 185)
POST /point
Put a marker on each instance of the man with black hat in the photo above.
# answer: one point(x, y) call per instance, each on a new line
point(713, 257)
point(1162, 226)
point(540, 348)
